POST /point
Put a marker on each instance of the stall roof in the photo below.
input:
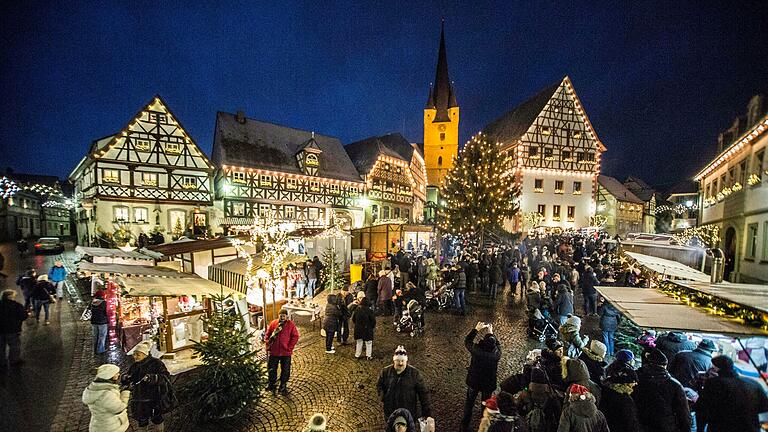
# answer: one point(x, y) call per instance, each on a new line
point(172, 287)
point(189, 245)
point(668, 267)
point(651, 308)
point(140, 254)
point(133, 270)
point(238, 265)
point(749, 295)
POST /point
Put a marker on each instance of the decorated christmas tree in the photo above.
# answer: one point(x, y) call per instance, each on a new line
point(333, 274)
point(231, 376)
point(479, 191)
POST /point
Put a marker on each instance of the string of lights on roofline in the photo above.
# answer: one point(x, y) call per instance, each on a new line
point(9, 188)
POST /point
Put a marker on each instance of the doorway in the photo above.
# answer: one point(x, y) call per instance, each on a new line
point(729, 249)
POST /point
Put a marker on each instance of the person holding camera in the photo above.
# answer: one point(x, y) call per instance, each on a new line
point(485, 351)
point(152, 392)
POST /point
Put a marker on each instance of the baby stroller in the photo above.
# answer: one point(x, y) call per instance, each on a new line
point(411, 319)
point(540, 327)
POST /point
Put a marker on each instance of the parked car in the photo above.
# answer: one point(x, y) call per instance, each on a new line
point(49, 244)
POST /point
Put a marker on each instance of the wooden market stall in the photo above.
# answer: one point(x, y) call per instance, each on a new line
point(379, 240)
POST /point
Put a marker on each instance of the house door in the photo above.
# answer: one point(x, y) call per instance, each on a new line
point(729, 248)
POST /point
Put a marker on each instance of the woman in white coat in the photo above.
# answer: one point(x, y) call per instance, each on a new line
point(108, 405)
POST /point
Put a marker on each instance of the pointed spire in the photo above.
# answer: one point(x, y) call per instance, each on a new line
point(442, 93)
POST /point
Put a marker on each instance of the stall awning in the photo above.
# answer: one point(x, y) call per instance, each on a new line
point(238, 265)
point(748, 295)
point(190, 245)
point(172, 287)
point(139, 254)
point(668, 267)
point(132, 270)
point(653, 309)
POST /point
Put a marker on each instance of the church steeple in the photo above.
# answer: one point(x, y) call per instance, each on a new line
point(442, 94)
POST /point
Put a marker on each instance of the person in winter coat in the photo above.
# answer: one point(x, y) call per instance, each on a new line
point(609, 323)
point(385, 292)
point(674, 342)
point(485, 353)
point(27, 284)
point(106, 402)
point(365, 323)
point(551, 359)
point(513, 277)
point(575, 372)
point(99, 322)
point(280, 338)
point(401, 385)
point(624, 359)
point(686, 365)
point(12, 314)
point(331, 322)
point(151, 388)
point(401, 420)
point(41, 297)
point(459, 286)
point(372, 290)
point(593, 357)
point(540, 403)
point(660, 399)
point(616, 401)
point(563, 303)
point(57, 275)
point(580, 413)
point(496, 279)
point(433, 274)
point(345, 299)
point(572, 340)
point(533, 298)
point(501, 415)
point(728, 402)
point(588, 283)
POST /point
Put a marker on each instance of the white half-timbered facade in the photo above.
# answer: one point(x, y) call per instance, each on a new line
point(556, 156)
point(149, 177)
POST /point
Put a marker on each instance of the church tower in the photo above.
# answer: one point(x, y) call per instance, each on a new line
point(441, 122)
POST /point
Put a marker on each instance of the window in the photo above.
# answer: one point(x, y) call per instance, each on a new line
point(577, 188)
point(555, 212)
point(290, 183)
point(542, 210)
point(376, 184)
point(142, 145)
point(290, 212)
point(407, 214)
point(708, 190)
point(751, 241)
point(765, 241)
point(548, 153)
point(313, 213)
point(558, 186)
point(571, 213)
point(576, 134)
point(743, 172)
point(149, 179)
point(178, 220)
point(173, 147)
point(121, 214)
point(757, 164)
point(546, 130)
point(533, 152)
point(314, 186)
point(567, 155)
point(265, 180)
point(396, 213)
point(238, 177)
point(731, 176)
point(580, 156)
point(442, 136)
point(439, 161)
point(385, 213)
point(722, 183)
point(312, 160)
point(335, 189)
point(238, 209)
point(538, 185)
point(264, 210)
point(386, 166)
point(111, 176)
point(140, 215)
point(189, 182)
point(374, 212)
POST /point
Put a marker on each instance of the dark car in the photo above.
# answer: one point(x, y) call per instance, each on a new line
point(49, 244)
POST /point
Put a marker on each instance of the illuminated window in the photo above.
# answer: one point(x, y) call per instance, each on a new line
point(312, 160)
point(238, 177)
point(538, 185)
point(264, 210)
point(757, 164)
point(396, 213)
point(313, 213)
point(111, 176)
point(577, 188)
point(189, 182)
point(542, 210)
point(751, 242)
point(548, 153)
point(407, 214)
point(265, 180)
point(546, 130)
point(533, 152)
point(142, 145)
point(743, 172)
point(149, 179)
point(335, 189)
point(290, 183)
point(439, 161)
point(385, 213)
point(567, 155)
point(314, 186)
point(576, 134)
point(555, 212)
point(173, 147)
point(140, 214)
point(442, 136)
point(238, 209)
point(374, 212)
point(121, 213)
point(580, 157)
point(290, 212)
point(558, 186)
point(571, 213)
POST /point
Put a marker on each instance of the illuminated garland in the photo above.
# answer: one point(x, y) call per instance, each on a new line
point(705, 235)
point(598, 221)
point(532, 219)
point(8, 187)
point(272, 237)
point(677, 209)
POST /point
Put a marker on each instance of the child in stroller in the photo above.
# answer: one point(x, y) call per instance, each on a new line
point(411, 320)
point(539, 326)
point(440, 298)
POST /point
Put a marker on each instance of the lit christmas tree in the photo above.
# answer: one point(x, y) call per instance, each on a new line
point(480, 193)
point(333, 274)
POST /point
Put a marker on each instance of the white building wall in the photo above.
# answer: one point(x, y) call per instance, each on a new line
point(105, 217)
point(583, 203)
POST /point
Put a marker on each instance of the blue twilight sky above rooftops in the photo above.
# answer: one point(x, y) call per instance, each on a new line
point(659, 80)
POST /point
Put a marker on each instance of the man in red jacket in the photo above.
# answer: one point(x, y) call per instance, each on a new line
point(281, 338)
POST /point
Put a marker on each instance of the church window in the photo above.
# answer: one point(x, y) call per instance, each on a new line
point(238, 177)
point(442, 136)
point(149, 179)
point(111, 176)
point(439, 161)
point(312, 160)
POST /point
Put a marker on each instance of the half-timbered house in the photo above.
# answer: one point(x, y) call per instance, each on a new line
point(395, 177)
point(556, 156)
point(292, 175)
point(148, 177)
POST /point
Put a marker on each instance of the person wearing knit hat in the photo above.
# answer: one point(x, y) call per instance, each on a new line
point(729, 402)
point(500, 414)
point(542, 397)
point(551, 358)
point(316, 423)
point(570, 334)
point(623, 359)
point(593, 356)
point(581, 413)
point(660, 399)
point(147, 378)
point(485, 353)
point(401, 385)
point(616, 401)
point(401, 420)
point(107, 404)
point(686, 366)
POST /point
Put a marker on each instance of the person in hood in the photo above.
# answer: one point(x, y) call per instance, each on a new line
point(152, 394)
point(12, 314)
point(540, 403)
point(365, 324)
point(384, 292)
point(573, 342)
point(616, 401)
point(594, 357)
point(580, 413)
point(485, 353)
point(660, 399)
point(501, 415)
point(401, 385)
point(686, 365)
point(575, 372)
point(106, 402)
point(728, 402)
point(99, 322)
point(401, 420)
point(672, 343)
point(563, 303)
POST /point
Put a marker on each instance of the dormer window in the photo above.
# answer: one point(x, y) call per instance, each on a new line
point(312, 160)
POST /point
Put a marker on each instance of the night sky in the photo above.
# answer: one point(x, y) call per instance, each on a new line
point(658, 80)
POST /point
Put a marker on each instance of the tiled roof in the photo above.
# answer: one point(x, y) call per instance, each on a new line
point(512, 125)
point(365, 152)
point(618, 190)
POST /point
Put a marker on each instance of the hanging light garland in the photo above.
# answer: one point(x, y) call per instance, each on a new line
point(8, 187)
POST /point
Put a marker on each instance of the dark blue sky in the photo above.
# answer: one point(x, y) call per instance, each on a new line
point(658, 80)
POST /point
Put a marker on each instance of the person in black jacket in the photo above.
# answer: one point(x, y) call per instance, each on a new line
point(672, 343)
point(616, 401)
point(365, 323)
point(42, 294)
point(588, 283)
point(372, 290)
point(660, 399)
point(485, 352)
point(345, 299)
point(401, 385)
point(331, 322)
point(728, 402)
point(12, 314)
point(99, 322)
point(686, 365)
point(27, 284)
point(152, 394)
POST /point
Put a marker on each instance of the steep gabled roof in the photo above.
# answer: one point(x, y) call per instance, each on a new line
point(268, 146)
point(512, 125)
point(618, 190)
point(364, 153)
point(640, 188)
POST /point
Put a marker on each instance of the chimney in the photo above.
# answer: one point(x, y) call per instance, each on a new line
point(240, 117)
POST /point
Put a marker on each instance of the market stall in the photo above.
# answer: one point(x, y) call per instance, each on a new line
point(117, 256)
point(668, 268)
point(379, 240)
